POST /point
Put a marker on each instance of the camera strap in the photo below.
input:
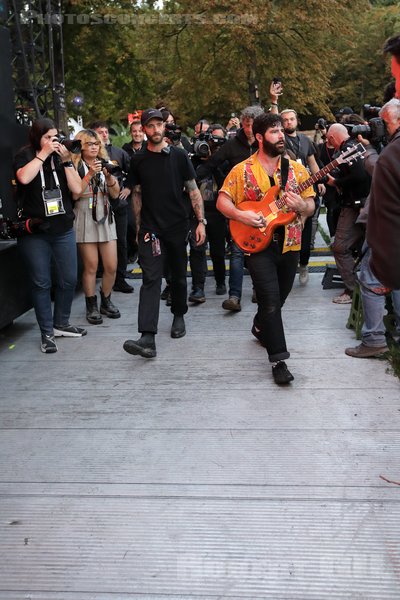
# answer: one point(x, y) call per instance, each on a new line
point(53, 170)
point(96, 186)
point(52, 199)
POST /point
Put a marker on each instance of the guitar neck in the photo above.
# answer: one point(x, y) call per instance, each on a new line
point(317, 176)
point(281, 202)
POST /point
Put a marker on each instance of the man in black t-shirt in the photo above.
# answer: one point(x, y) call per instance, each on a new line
point(158, 177)
point(303, 149)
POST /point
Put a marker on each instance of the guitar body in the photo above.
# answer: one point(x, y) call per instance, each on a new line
point(274, 209)
point(255, 239)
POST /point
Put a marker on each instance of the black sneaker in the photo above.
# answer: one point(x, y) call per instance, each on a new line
point(48, 345)
point(281, 373)
point(122, 286)
point(197, 296)
point(69, 331)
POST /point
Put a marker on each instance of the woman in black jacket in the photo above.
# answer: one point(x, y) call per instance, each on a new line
point(46, 179)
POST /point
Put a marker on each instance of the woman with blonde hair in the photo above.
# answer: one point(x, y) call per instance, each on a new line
point(94, 225)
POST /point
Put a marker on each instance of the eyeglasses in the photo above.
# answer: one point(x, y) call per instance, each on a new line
point(91, 144)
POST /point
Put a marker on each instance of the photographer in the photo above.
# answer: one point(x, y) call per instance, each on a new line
point(236, 150)
point(325, 153)
point(45, 180)
point(384, 212)
point(373, 341)
point(353, 184)
point(119, 205)
point(215, 221)
point(95, 225)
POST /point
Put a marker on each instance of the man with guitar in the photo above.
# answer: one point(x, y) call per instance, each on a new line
point(273, 269)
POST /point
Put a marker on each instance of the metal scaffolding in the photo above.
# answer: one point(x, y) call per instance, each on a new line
point(38, 60)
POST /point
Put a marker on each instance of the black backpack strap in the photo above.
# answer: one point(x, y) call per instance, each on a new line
point(284, 172)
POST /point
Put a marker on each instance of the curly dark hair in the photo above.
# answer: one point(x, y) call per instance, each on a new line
point(266, 121)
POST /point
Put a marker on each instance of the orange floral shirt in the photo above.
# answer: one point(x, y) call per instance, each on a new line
point(248, 181)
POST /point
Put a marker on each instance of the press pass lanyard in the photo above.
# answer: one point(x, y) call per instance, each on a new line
point(53, 170)
point(52, 199)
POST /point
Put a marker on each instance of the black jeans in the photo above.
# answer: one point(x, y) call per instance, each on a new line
point(273, 274)
point(121, 225)
point(306, 236)
point(198, 263)
point(215, 229)
point(173, 248)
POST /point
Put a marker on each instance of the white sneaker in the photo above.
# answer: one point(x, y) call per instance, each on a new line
point(344, 298)
point(303, 275)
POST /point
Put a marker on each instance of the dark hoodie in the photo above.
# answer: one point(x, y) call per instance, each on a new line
point(233, 152)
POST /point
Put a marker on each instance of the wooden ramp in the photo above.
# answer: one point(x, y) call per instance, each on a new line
point(193, 476)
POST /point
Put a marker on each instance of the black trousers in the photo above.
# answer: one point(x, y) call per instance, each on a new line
point(173, 249)
point(132, 246)
point(198, 263)
point(121, 225)
point(273, 274)
point(215, 229)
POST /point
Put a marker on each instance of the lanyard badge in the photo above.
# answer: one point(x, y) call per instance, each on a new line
point(52, 199)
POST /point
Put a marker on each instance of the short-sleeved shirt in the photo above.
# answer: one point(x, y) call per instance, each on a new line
point(29, 196)
point(248, 181)
point(301, 146)
point(161, 176)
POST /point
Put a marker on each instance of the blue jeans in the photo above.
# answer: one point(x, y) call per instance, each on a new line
point(373, 329)
point(38, 250)
point(236, 266)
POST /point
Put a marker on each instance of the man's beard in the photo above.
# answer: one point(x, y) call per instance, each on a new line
point(290, 130)
point(273, 149)
point(156, 138)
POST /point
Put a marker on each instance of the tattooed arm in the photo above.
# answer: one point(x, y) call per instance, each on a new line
point(198, 209)
point(137, 206)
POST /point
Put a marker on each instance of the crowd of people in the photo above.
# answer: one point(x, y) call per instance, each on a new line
point(162, 193)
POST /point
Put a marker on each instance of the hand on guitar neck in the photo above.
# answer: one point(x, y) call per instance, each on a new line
point(296, 203)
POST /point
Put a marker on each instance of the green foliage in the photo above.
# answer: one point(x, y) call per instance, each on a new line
point(365, 71)
point(205, 57)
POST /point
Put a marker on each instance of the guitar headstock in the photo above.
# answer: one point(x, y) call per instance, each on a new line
point(350, 155)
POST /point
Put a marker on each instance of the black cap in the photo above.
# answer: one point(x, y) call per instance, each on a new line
point(150, 113)
point(346, 110)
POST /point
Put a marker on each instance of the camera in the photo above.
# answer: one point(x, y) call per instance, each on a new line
point(321, 124)
point(110, 166)
point(371, 111)
point(205, 142)
point(375, 131)
point(73, 146)
point(173, 132)
point(10, 230)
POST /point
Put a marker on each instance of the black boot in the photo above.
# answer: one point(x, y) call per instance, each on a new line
point(145, 346)
point(107, 307)
point(92, 311)
point(178, 327)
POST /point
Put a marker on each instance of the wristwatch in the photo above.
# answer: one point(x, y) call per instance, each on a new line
point(204, 221)
point(68, 163)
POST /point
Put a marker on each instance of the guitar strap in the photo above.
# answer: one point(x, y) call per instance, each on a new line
point(284, 172)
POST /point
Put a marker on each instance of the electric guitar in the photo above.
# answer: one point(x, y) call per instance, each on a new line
point(274, 209)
